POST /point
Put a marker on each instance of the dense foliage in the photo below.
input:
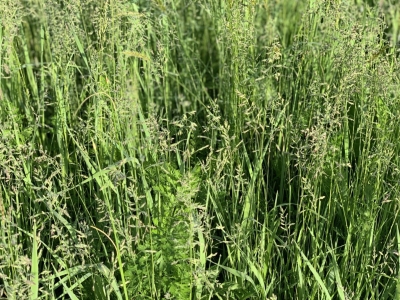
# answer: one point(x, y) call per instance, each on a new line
point(205, 149)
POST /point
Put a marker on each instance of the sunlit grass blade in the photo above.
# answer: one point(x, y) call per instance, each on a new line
point(35, 266)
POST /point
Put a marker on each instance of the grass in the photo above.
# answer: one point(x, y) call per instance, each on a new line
point(199, 149)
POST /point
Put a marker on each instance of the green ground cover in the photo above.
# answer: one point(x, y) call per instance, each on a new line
point(199, 149)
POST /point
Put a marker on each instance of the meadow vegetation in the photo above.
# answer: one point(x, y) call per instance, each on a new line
point(204, 149)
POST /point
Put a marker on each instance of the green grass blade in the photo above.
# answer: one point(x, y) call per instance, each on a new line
point(316, 275)
point(35, 266)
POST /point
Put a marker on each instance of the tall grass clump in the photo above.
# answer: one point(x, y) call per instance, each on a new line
point(199, 149)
